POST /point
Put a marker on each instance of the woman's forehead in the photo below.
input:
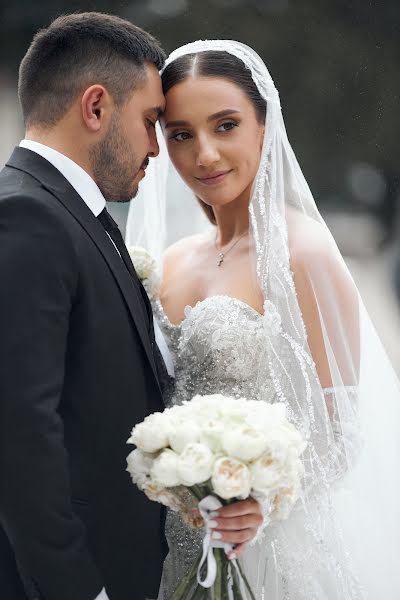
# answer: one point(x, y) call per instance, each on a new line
point(205, 96)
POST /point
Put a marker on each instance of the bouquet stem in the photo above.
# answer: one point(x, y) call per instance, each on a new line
point(228, 576)
point(243, 576)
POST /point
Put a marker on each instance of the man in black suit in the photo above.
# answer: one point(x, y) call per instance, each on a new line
point(77, 348)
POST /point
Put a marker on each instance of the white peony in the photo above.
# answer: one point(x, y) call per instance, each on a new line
point(195, 464)
point(244, 442)
point(285, 441)
point(264, 416)
point(267, 474)
point(231, 478)
point(139, 466)
point(183, 433)
point(146, 269)
point(164, 471)
point(212, 433)
point(152, 434)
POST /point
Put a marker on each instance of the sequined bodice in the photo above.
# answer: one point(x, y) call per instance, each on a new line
point(220, 347)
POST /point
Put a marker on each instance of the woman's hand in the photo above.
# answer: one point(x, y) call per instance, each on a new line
point(237, 524)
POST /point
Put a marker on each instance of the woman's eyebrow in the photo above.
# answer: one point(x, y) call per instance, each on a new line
point(213, 117)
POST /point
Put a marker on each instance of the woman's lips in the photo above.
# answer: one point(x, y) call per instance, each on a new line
point(213, 178)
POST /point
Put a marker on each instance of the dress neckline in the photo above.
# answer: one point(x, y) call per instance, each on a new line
point(189, 308)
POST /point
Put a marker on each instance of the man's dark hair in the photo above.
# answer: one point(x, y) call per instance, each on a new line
point(77, 51)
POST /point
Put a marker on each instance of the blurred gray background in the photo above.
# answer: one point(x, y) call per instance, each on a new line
point(336, 66)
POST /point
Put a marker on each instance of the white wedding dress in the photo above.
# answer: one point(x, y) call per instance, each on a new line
point(220, 347)
point(342, 540)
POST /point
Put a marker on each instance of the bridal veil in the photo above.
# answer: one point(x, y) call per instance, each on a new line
point(342, 541)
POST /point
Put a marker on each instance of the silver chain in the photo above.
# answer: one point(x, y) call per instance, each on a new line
point(222, 255)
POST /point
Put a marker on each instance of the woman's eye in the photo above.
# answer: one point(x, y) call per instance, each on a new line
point(150, 124)
point(181, 136)
point(227, 126)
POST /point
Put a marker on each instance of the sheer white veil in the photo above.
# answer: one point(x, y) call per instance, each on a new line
point(346, 529)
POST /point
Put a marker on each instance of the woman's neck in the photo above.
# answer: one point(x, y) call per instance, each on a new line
point(232, 220)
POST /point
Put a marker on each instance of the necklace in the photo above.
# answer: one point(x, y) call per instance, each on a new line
point(221, 255)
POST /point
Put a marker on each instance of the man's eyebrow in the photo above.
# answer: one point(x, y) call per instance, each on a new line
point(213, 117)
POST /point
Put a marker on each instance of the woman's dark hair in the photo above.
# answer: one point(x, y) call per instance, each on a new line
point(77, 51)
point(215, 64)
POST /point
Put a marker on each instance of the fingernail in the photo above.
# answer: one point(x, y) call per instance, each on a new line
point(212, 524)
point(232, 556)
point(214, 514)
point(216, 535)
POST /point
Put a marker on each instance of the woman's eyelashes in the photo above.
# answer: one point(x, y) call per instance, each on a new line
point(228, 126)
point(225, 127)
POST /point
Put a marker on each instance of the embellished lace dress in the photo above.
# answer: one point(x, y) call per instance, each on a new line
point(220, 347)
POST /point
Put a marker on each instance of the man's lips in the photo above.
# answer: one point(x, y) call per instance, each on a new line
point(213, 178)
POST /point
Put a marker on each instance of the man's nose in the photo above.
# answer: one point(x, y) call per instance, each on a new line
point(154, 148)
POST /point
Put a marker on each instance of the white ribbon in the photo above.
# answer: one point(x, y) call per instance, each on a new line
point(207, 505)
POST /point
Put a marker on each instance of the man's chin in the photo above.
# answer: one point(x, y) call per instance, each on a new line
point(124, 197)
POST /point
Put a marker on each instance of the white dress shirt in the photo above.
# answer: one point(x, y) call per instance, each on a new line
point(90, 193)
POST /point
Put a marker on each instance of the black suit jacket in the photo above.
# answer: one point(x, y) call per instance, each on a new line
point(77, 371)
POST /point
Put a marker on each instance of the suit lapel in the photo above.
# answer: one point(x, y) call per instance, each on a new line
point(53, 181)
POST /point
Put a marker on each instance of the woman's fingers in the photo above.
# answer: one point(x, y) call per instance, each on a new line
point(251, 520)
point(237, 551)
point(234, 537)
point(242, 507)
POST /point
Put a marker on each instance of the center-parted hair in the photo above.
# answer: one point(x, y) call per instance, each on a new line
point(214, 63)
point(77, 51)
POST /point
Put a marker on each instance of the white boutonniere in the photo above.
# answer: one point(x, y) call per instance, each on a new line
point(147, 270)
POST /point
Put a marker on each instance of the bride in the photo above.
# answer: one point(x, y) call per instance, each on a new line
point(260, 304)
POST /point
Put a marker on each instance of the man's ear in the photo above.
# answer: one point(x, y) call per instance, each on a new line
point(96, 107)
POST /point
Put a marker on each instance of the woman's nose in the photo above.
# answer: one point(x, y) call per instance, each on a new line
point(207, 154)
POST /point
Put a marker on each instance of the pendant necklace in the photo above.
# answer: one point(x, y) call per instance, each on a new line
point(221, 255)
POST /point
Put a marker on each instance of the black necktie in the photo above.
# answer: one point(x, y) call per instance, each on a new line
point(113, 231)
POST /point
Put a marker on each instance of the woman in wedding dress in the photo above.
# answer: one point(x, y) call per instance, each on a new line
point(261, 305)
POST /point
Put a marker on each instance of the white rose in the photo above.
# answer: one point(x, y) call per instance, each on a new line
point(244, 442)
point(139, 467)
point(182, 434)
point(152, 434)
point(195, 464)
point(164, 471)
point(231, 478)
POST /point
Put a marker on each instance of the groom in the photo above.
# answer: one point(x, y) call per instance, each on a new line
point(77, 349)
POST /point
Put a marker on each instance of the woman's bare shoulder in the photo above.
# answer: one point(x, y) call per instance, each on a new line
point(181, 251)
point(309, 240)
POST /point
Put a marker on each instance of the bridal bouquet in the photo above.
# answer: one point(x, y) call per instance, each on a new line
point(212, 451)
